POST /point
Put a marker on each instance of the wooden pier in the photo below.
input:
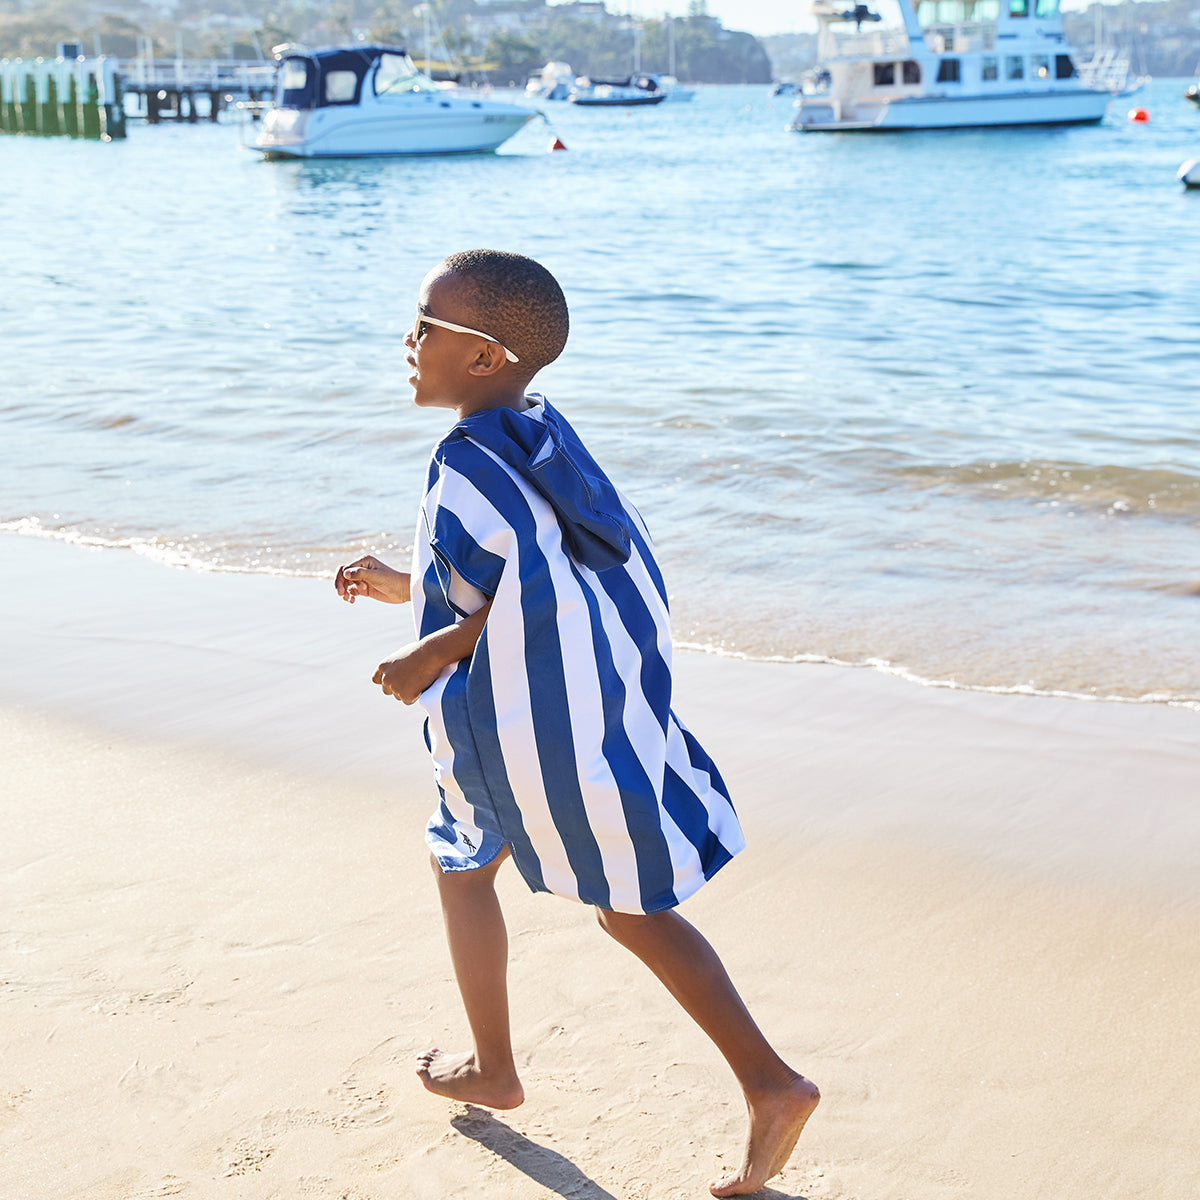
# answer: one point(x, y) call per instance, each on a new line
point(62, 97)
point(179, 89)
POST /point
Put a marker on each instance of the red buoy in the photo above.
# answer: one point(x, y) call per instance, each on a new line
point(1140, 115)
point(557, 144)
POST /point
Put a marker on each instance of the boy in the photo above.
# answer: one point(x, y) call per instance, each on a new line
point(543, 662)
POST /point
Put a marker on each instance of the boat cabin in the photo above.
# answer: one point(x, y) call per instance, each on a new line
point(324, 78)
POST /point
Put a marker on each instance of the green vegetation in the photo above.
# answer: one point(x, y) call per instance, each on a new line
point(503, 40)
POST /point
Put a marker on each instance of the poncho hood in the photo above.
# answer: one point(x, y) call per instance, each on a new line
point(548, 454)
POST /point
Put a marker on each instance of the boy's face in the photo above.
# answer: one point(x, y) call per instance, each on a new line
point(444, 362)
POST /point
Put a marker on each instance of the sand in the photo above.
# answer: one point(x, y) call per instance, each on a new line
point(973, 920)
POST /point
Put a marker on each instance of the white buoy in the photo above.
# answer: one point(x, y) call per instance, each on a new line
point(1189, 173)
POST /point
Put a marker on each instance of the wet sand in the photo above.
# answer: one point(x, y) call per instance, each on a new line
point(974, 920)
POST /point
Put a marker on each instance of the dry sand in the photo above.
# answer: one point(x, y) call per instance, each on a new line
point(973, 920)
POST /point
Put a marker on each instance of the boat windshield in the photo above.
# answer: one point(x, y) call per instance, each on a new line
point(297, 83)
point(956, 12)
point(397, 75)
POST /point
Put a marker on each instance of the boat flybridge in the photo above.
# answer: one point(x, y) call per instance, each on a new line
point(372, 101)
point(953, 64)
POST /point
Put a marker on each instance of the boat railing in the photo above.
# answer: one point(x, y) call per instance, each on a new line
point(973, 35)
point(1106, 71)
point(875, 44)
point(204, 75)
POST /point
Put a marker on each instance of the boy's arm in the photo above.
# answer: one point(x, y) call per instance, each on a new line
point(368, 576)
point(410, 671)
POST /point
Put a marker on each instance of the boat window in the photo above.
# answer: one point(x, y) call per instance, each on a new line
point(912, 72)
point(1040, 66)
point(1064, 68)
point(295, 83)
point(991, 68)
point(1014, 67)
point(1046, 8)
point(885, 74)
point(1018, 8)
point(341, 87)
point(986, 10)
point(948, 70)
point(397, 74)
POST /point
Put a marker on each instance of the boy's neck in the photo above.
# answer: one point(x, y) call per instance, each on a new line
point(516, 400)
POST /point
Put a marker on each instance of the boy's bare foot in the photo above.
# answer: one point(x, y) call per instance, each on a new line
point(776, 1120)
point(456, 1077)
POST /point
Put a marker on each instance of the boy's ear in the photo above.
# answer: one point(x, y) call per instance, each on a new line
point(489, 359)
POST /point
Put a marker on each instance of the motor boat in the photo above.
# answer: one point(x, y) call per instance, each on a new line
point(953, 64)
point(633, 90)
point(676, 92)
point(372, 101)
point(553, 82)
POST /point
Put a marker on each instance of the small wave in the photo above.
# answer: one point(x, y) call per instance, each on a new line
point(169, 553)
point(1114, 490)
point(884, 667)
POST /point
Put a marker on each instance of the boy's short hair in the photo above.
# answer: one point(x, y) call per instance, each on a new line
point(517, 301)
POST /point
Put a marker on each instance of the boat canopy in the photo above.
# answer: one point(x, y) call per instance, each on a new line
point(319, 78)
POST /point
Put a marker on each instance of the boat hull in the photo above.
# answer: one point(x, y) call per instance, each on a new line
point(614, 102)
point(1076, 107)
point(425, 129)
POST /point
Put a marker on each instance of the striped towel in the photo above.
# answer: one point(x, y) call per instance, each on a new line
point(557, 736)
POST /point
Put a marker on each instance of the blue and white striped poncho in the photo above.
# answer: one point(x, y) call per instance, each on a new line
point(557, 736)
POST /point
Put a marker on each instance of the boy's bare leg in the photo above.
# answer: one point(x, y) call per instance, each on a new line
point(779, 1099)
point(478, 944)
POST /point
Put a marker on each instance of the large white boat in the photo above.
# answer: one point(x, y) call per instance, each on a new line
point(952, 64)
point(372, 101)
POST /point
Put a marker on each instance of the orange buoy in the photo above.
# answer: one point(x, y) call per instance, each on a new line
point(557, 144)
point(1140, 115)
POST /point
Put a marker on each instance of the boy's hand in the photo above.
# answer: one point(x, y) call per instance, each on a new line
point(367, 576)
point(409, 671)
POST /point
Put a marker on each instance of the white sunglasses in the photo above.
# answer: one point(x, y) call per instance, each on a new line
point(425, 318)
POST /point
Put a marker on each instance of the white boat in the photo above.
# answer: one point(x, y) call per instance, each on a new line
point(953, 64)
point(362, 101)
point(633, 90)
point(673, 89)
point(553, 82)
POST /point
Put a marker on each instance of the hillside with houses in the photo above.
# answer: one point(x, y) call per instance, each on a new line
point(500, 42)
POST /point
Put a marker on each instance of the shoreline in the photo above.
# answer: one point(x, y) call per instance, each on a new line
point(172, 558)
point(276, 671)
point(973, 920)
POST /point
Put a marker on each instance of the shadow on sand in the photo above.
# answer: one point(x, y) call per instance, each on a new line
point(542, 1165)
point(548, 1167)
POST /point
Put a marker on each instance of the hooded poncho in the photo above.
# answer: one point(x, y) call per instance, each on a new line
point(556, 737)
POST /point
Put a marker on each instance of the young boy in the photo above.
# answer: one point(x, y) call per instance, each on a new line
point(543, 661)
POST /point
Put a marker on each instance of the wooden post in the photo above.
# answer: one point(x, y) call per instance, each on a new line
point(91, 108)
point(29, 106)
point(71, 107)
point(50, 125)
point(114, 105)
point(214, 105)
point(152, 115)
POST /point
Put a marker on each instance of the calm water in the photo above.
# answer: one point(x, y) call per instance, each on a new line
point(927, 401)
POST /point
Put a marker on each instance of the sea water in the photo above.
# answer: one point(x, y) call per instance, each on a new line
point(922, 401)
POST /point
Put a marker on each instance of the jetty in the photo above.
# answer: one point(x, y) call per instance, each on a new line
point(178, 89)
point(75, 96)
point(64, 96)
